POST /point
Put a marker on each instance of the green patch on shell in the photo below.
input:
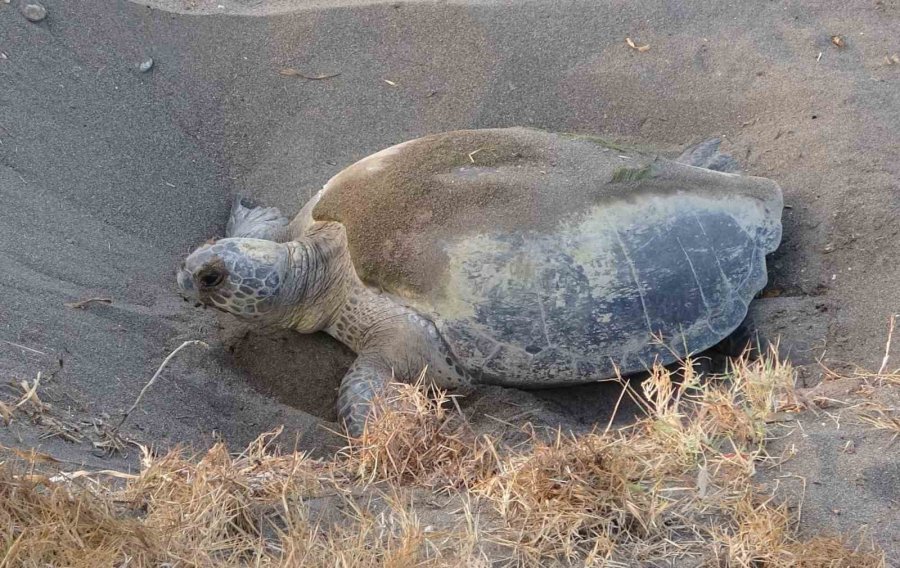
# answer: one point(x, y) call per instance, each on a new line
point(598, 140)
point(623, 175)
point(625, 148)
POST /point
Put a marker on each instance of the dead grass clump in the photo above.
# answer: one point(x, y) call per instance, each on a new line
point(28, 402)
point(210, 496)
point(225, 502)
point(675, 436)
point(735, 408)
point(379, 531)
point(881, 418)
point(416, 437)
point(754, 534)
point(573, 498)
point(762, 535)
point(636, 492)
point(765, 385)
point(833, 552)
point(50, 525)
point(30, 405)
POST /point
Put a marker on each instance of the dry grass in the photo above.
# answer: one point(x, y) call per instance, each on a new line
point(760, 534)
point(872, 412)
point(885, 375)
point(419, 438)
point(27, 403)
point(421, 488)
point(833, 552)
point(882, 418)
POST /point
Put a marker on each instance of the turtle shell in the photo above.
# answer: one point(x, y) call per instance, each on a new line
point(549, 259)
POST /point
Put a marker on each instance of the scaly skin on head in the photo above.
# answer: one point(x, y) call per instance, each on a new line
point(285, 285)
point(240, 276)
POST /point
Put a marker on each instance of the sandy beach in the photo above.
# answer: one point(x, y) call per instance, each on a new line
point(110, 175)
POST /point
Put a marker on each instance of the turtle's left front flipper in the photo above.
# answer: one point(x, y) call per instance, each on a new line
point(250, 222)
point(707, 155)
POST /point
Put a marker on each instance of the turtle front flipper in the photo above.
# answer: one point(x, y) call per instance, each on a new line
point(257, 222)
point(368, 377)
point(707, 155)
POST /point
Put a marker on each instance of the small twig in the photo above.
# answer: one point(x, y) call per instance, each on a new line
point(290, 72)
point(153, 379)
point(72, 475)
point(31, 455)
point(887, 348)
point(615, 411)
point(632, 45)
point(802, 493)
point(23, 347)
point(459, 410)
point(31, 393)
point(80, 305)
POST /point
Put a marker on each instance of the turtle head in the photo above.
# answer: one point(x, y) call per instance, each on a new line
point(243, 277)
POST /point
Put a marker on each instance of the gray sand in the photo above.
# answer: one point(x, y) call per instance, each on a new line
point(109, 176)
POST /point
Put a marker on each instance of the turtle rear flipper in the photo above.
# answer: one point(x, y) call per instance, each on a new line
point(706, 155)
point(252, 222)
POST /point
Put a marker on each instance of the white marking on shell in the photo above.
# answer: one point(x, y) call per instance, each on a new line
point(483, 266)
point(637, 281)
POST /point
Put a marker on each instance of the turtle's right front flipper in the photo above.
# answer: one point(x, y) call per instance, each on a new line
point(367, 378)
point(257, 222)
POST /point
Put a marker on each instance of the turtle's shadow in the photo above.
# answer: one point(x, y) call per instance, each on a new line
point(596, 405)
point(305, 371)
point(606, 404)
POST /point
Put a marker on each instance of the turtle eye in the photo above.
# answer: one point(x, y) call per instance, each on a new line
point(211, 278)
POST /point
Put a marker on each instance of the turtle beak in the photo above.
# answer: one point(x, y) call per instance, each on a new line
point(186, 285)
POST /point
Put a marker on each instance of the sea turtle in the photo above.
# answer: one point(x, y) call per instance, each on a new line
point(510, 256)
